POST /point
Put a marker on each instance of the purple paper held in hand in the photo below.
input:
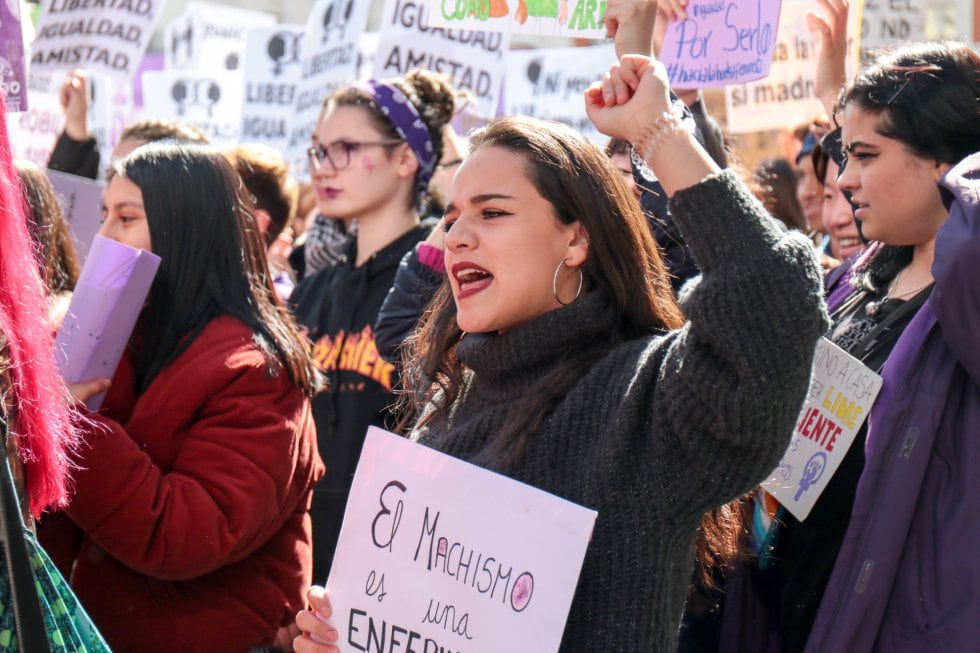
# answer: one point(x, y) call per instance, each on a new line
point(107, 301)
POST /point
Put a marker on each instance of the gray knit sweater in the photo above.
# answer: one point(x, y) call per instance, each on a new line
point(663, 428)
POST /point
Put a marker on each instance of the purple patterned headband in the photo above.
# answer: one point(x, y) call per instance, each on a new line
point(408, 123)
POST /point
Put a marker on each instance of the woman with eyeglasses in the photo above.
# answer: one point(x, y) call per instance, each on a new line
point(374, 151)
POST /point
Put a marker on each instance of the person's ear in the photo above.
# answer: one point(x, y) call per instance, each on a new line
point(406, 163)
point(941, 169)
point(578, 245)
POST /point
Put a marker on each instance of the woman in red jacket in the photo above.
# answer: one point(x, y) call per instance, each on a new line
point(189, 526)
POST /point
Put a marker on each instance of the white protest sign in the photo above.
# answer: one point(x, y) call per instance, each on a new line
point(842, 391)
point(272, 62)
point(328, 59)
point(33, 133)
point(111, 109)
point(211, 101)
point(210, 36)
point(549, 84)
point(102, 36)
point(471, 59)
point(887, 23)
point(437, 554)
point(721, 42)
point(576, 18)
point(786, 98)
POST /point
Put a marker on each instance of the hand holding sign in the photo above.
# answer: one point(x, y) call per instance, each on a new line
point(317, 633)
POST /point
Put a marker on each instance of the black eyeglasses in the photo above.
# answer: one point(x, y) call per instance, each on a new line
point(338, 152)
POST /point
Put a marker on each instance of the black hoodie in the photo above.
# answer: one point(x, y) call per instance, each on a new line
point(337, 307)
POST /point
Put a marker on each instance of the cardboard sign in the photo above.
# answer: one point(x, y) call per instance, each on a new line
point(842, 391)
point(436, 554)
point(888, 23)
point(81, 204)
point(33, 132)
point(210, 36)
point(577, 18)
point(107, 300)
point(721, 42)
point(13, 70)
point(111, 109)
point(102, 37)
point(549, 84)
point(272, 66)
point(211, 101)
point(472, 60)
point(785, 98)
point(328, 60)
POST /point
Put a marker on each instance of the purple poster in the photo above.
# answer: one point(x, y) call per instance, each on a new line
point(13, 74)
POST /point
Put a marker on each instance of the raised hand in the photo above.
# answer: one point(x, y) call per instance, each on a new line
point(74, 100)
point(630, 95)
point(828, 25)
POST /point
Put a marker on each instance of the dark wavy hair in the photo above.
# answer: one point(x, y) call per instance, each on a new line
point(48, 228)
point(212, 261)
point(927, 97)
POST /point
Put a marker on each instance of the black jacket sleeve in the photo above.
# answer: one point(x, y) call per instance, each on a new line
point(75, 157)
point(414, 287)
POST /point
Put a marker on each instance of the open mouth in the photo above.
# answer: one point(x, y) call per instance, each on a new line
point(471, 279)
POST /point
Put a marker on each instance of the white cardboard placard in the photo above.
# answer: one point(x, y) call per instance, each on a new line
point(842, 391)
point(436, 552)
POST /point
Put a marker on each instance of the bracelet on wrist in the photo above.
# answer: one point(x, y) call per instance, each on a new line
point(670, 122)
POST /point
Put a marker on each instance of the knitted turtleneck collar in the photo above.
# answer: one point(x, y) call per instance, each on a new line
point(509, 362)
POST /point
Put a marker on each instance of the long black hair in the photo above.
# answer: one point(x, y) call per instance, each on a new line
point(212, 261)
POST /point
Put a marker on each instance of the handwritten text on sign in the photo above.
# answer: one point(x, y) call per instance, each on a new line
point(721, 42)
point(842, 391)
point(438, 554)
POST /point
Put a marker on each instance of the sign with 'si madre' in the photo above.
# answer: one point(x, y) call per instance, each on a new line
point(436, 554)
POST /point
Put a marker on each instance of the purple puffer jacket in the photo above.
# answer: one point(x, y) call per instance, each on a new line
point(908, 574)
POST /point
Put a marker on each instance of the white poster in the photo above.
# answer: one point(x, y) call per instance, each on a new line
point(101, 37)
point(210, 36)
point(887, 23)
point(111, 109)
point(328, 60)
point(272, 66)
point(472, 60)
point(209, 100)
point(436, 554)
point(33, 132)
point(841, 394)
point(571, 18)
point(786, 98)
point(549, 84)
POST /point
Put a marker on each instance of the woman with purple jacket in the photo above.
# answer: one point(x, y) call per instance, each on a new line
point(907, 577)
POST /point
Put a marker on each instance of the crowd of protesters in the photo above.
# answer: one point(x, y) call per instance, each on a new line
point(631, 329)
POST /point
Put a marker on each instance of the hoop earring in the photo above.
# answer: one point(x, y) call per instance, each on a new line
point(554, 283)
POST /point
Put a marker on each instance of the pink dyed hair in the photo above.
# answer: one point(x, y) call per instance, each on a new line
point(43, 427)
